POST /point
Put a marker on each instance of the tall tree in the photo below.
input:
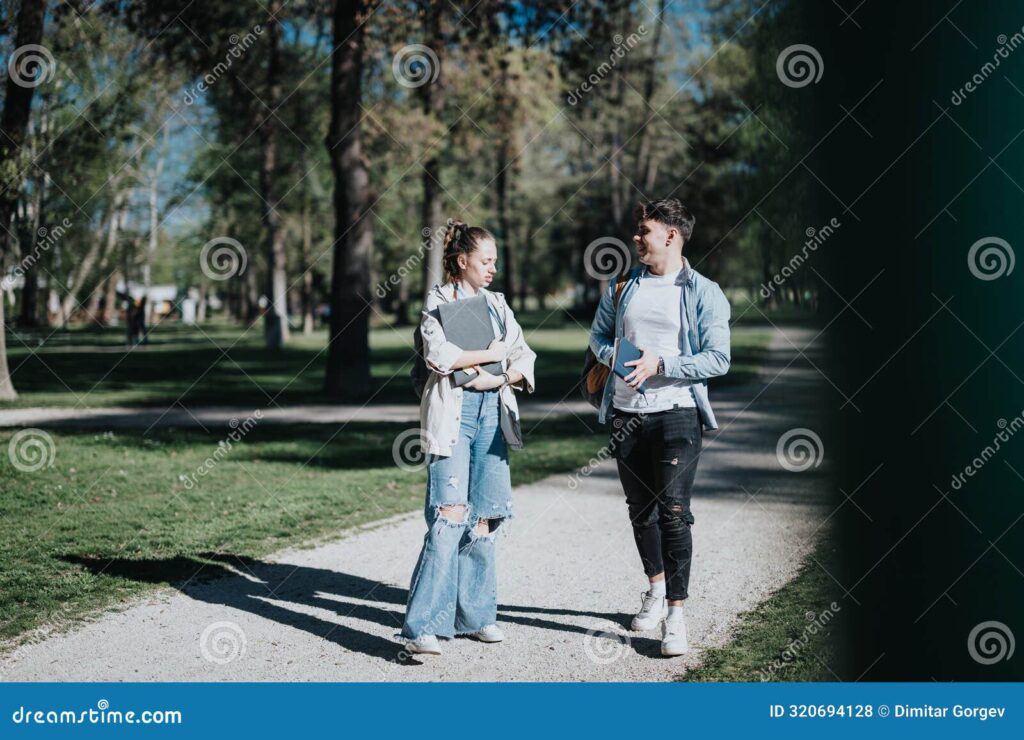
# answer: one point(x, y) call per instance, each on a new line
point(432, 94)
point(348, 354)
point(17, 107)
point(275, 327)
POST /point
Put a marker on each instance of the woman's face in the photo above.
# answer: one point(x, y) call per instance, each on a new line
point(480, 266)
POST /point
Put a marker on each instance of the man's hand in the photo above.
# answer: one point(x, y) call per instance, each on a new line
point(485, 381)
point(645, 367)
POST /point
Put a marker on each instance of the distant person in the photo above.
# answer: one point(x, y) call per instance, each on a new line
point(136, 322)
point(680, 321)
point(469, 490)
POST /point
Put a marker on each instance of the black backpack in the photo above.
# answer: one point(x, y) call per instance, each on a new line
point(419, 372)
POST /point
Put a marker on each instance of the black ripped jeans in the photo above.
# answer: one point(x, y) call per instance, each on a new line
point(657, 455)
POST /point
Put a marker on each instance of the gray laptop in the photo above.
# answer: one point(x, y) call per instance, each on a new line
point(467, 324)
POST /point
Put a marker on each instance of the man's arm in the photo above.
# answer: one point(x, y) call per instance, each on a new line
point(713, 335)
point(602, 330)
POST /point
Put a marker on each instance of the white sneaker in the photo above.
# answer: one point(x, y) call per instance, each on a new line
point(490, 633)
point(654, 610)
point(424, 645)
point(673, 636)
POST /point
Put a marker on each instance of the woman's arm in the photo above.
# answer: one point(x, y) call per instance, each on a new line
point(444, 357)
point(495, 352)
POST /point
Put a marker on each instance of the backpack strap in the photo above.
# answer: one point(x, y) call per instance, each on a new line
point(618, 290)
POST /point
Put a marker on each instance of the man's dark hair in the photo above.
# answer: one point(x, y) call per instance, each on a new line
point(669, 211)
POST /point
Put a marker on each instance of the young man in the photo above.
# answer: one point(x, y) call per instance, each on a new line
point(680, 321)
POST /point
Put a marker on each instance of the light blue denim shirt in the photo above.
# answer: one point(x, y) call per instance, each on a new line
point(703, 351)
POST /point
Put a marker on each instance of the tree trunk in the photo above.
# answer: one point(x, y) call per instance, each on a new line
point(17, 107)
point(433, 97)
point(109, 313)
point(646, 166)
point(275, 321)
point(96, 250)
point(308, 323)
point(201, 305)
point(154, 223)
point(348, 357)
point(501, 180)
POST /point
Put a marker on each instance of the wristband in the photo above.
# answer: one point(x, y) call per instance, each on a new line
point(661, 366)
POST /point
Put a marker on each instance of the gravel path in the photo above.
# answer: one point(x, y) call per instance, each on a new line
point(569, 579)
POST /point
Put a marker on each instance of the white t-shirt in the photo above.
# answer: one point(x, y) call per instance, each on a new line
point(654, 321)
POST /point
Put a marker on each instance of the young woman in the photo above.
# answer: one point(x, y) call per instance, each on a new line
point(466, 438)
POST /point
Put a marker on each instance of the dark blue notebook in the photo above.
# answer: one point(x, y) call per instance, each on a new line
point(626, 351)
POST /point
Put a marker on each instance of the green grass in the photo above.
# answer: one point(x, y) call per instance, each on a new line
point(121, 497)
point(113, 516)
point(224, 365)
point(792, 636)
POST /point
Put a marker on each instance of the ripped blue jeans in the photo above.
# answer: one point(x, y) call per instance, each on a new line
point(454, 587)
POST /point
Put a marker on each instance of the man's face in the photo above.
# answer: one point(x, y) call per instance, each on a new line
point(653, 241)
